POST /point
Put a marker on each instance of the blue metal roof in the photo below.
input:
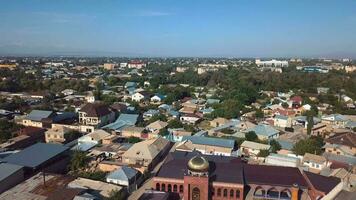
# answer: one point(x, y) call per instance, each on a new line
point(281, 117)
point(263, 129)
point(7, 169)
point(124, 173)
point(35, 155)
point(211, 141)
point(122, 121)
point(151, 112)
point(38, 115)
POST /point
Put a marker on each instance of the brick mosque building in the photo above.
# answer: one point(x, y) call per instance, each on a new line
point(193, 176)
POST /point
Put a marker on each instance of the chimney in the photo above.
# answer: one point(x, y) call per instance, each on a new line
point(295, 191)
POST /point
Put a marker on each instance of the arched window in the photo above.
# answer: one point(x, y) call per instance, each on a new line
point(174, 188)
point(169, 188)
point(260, 192)
point(181, 189)
point(195, 194)
point(163, 186)
point(158, 187)
point(285, 193)
point(219, 192)
point(225, 192)
point(212, 191)
point(237, 193)
point(273, 192)
point(231, 193)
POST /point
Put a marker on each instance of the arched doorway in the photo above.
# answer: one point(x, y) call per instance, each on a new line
point(259, 192)
point(158, 187)
point(195, 194)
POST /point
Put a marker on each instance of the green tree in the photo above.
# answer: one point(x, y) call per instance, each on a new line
point(175, 123)
point(251, 136)
point(79, 161)
point(7, 129)
point(275, 146)
point(263, 153)
point(310, 124)
point(163, 132)
point(259, 114)
point(157, 117)
point(118, 195)
point(311, 145)
point(133, 140)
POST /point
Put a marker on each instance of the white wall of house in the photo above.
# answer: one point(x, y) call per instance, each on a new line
point(137, 97)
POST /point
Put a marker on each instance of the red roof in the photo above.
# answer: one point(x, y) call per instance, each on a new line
point(297, 99)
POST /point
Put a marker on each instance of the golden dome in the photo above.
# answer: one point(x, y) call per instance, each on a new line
point(198, 163)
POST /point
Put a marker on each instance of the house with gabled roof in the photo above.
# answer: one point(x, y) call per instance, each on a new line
point(35, 117)
point(96, 114)
point(341, 144)
point(125, 176)
point(264, 132)
point(146, 154)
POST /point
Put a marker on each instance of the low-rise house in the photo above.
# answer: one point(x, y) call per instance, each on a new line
point(150, 113)
point(141, 96)
point(104, 189)
point(90, 140)
point(218, 122)
point(252, 149)
point(125, 176)
point(282, 160)
point(96, 114)
point(282, 121)
point(157, 98)
point(264, 132)
point(146, 154)
point(35, 117)
point(343, 144)
point(207, 145)
point(336, 120)
point(57, 135)
point(156, 126)
point(97, 136)
point(67, 92)
point(124, 120)
point(133, 131)
point(177, 134)
point(190, 118)
point(315, 163)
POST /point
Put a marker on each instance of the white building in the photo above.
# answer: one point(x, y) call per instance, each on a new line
point(271, 63)
point(282, 160)
point(253, 148)
point(314, 163)
point(136, 64)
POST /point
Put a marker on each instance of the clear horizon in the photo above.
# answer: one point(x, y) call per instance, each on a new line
point(167, 28)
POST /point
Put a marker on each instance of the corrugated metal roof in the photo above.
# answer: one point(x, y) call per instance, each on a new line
point(7, 169)
point(38, 115)
point(124, 173)
point(211, 141)
point(35, 155)
point(263, 129)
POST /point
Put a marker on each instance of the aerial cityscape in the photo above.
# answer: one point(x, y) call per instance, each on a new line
point(170, 100)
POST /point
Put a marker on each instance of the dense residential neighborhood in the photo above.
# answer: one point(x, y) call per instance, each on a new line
point(97, 127)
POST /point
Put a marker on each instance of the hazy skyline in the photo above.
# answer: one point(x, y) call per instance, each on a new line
point(216, 28)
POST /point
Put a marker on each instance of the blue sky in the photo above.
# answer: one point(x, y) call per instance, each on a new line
point(239, 28)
